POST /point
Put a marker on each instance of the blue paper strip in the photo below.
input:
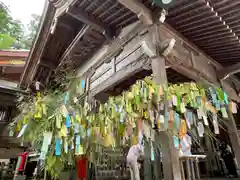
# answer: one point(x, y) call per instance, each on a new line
point(226, 98)
point(89, 132)
point(42, 156)
point(77, 149)
point(190, 117)
point(176, 142)
point(217, 105)
point(199, 100)
point(176, 121)
point(214, 98)
point(211, 90)
point(183, 145)
point(66, 98)
point(58, 147)
point(122, 118)
point(77, 140)
point(83, 84)
point(152, 154)
point(68, 121)
point(76, 128)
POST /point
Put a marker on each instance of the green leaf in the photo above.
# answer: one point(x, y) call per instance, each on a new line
point(6, 41)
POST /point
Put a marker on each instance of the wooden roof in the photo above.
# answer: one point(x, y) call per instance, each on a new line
point(86, 25)
point(12, 64)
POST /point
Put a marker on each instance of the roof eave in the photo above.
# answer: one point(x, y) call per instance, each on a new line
point(39, 43)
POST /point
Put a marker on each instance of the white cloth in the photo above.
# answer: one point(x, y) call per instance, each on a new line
point(134, 170)
point(134, 153)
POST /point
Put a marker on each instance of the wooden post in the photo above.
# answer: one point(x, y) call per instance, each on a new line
point(147, 160)
point(234, 138)
point(233, 133)
point(171, 166)
point(157, 163)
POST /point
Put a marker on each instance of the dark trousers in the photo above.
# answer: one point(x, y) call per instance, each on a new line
point(230, 164)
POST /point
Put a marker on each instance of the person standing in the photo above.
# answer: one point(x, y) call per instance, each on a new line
point(228, 158)
point(135, 152)
point(1, 170)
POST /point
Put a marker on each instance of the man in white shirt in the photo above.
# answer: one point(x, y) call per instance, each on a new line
point(133, 154)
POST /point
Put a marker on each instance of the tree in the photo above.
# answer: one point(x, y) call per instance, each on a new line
point(6, 41)
point(11, 31)
point(32, 29)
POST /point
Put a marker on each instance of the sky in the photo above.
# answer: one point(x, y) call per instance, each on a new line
point(23, 9)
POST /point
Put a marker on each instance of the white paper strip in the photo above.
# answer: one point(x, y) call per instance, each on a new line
point(37, 86)
point(64, 111)
point(174, 100)
point(234, 108)
point(215, 124)
point(205, 120)
point(47, 138)
point(22, 131)
point(199, 113)
point(161, 118)
point(200, 129)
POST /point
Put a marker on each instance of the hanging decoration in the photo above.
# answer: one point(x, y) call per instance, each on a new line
point(165, 4)
point(60, 126)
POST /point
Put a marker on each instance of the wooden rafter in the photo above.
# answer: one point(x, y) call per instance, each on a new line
point(48, 64)
point(72, 46)
point(90, 20)
point(225, 72)
point(143, 13)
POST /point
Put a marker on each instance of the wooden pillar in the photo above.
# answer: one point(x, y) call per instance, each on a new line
point(234, 138)
point(147, 160)
point(233, 133)
point(171, 168)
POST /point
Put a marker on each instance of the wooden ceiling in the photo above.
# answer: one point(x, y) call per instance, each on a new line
point(212, 25)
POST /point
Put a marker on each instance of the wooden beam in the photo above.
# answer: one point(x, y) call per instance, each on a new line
point(197, 66)
point(225, 72)
point(47, 64)
point(143, 13)
point(119, 76)
point(72, 46)
point(113, 49)
point(38, 46)
point(91, 21)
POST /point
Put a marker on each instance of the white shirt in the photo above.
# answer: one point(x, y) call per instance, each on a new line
point(134, 153)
